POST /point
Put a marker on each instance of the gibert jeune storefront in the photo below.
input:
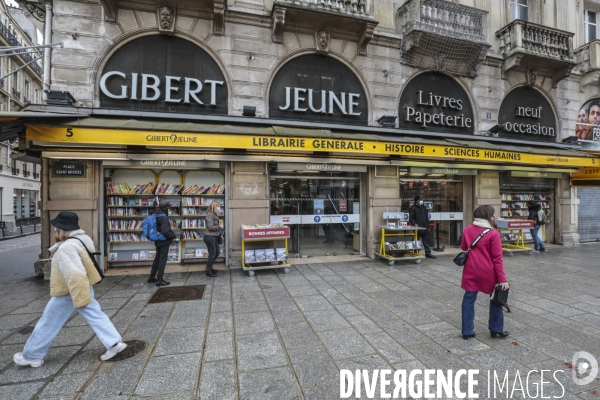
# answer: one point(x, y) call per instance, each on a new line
point(163, 129)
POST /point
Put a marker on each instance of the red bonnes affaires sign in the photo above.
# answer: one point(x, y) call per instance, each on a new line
point(269, 233)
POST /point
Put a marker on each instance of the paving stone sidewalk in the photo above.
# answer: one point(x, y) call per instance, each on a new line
point(286, 336)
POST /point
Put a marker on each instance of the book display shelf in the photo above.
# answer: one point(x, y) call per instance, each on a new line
point(132, 195)
point(514, 207)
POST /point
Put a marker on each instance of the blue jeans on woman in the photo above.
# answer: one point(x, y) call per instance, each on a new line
point(537, 242)
point(57, 312)
point(496, 321)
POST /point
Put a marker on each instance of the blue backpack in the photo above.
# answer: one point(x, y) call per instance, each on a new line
point(149, 228)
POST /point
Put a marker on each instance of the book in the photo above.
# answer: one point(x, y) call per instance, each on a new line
point(135, 256)
point(189, 252)
point(270, 254)
point(281, 253)
point(112, 256)
point(259, 255)
point(143, 254)
point(201, 253)
point(151, 254)
point(249, 256)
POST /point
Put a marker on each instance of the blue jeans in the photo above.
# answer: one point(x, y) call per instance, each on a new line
point(537, 242)
point(57, 312)
point(496, 321)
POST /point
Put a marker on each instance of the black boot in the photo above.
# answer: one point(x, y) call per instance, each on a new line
point(210, 272)
point(162, 282)
point(152, 279)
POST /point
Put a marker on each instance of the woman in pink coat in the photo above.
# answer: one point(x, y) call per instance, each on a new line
point(482, 271)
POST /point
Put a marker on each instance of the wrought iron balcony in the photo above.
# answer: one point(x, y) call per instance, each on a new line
point(15, 171)
point(26, 101)
point(537, 49)
point(13, 41)
point(441, 35)
point(16, 94)
point(26, 173)
point(1, 83)
point(348, 16)
point(36, 175)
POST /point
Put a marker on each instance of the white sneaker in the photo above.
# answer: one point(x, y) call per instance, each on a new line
point(20, 360)
point(113, 351)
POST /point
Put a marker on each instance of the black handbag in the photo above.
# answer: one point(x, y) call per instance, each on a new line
point(500, 297)
point(461, 258)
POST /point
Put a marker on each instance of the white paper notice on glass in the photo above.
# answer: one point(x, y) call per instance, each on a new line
point(356, 207)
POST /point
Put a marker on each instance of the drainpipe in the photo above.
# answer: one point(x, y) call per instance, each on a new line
point(47, 50)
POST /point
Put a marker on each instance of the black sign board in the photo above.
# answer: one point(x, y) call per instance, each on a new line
point(435, 102)
point(69, 169)
point(318, 88)
point(525, 114)
point(163, 74)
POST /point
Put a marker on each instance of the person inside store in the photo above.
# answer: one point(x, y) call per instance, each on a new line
point(211, 236)
point(163, 225)
point(72, 276)
point(483, 270)
point(328, 228)
point(537, 215)
point(419, 217)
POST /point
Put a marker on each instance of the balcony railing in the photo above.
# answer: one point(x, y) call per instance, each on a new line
point(16, 94)
point(442, 35)
point(15, 171)
point(26, 101)
point(1, 83)
point(36, 175)
point(13, 41)
point(536, 39)
point(343, 6)
point(26, 173)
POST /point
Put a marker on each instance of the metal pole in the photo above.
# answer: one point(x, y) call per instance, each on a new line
point(34, 230)
point(20, 68)
point(48, 41)
point(21, 226)
point(39, 46)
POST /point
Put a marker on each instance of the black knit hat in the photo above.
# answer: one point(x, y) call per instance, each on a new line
point(417, 198)
point(66, 220)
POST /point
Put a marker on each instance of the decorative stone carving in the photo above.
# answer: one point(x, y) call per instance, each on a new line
point(365, 38)
point(219, 17)
point(166, 20)
point(278, 23)
point(322, 40)
point(531, 77)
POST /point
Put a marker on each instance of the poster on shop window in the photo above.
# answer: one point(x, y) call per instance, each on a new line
point(588, 121)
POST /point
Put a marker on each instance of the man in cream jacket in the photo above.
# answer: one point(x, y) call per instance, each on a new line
point(71, 278)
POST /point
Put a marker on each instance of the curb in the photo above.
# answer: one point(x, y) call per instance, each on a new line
point(18, 236)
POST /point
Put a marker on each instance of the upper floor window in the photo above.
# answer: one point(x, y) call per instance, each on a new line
point(36, 96)
point(26, 90)
point(519, 10)
point(590, 21)
point(16, 81)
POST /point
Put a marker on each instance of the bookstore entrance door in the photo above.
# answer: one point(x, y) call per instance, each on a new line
point(323, 212)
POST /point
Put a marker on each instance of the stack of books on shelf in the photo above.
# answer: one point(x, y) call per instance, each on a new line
point(117, 188)
point(192, 211)
point(193, 201)
point(125, 212)
point(191, 235)
point(168, 189)
point(124, 225)
point(125, 237)
point(404, 245)
point(265, 255)
point(197, 190)
point(193, 224)
point(146, 189)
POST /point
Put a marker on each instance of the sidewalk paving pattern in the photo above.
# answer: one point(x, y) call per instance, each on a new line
point(286, 336)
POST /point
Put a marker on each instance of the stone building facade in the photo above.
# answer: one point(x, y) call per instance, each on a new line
point(19, 180)
point(535, 50)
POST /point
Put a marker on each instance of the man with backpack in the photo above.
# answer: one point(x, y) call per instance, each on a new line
point(158, 228)
point(538, 215)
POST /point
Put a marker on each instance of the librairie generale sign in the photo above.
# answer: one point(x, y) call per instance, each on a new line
point(193, 141)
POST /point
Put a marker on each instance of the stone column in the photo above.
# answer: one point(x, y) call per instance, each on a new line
point(487, 191)
point(566, 226)
point(383, 192)
point(248, 203)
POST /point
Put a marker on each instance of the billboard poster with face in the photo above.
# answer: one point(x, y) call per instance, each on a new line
point(588, 121)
